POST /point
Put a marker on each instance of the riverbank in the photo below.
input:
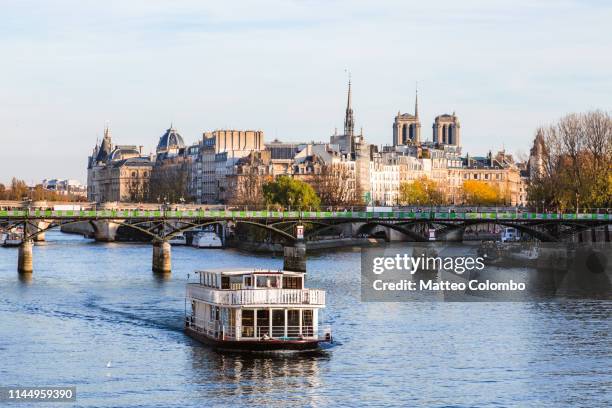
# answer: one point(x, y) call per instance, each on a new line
point(320, 245)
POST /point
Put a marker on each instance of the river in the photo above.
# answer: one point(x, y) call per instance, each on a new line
point(89, 304)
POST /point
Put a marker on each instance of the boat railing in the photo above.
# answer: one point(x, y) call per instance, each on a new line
point(257, 296)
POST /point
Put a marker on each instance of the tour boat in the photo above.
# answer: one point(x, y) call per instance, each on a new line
point(207, 239)
point(255, 311)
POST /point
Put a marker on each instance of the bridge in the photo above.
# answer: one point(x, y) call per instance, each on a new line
point(162, 224)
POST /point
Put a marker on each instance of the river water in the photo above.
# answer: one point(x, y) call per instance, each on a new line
point(89, 304)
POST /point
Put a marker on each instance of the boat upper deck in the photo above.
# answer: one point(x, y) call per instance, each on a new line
point(255, 288)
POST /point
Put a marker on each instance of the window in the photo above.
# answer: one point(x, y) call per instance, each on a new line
point(292, 282)
point(248, 322)
point(267, 282)
point(307, 329)
point(248, 281)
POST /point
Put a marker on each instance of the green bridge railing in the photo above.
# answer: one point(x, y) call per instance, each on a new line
point(322, 215)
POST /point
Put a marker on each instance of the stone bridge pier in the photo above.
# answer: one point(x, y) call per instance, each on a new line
point(105, 230)
point(162, 257)
point(25, 257)
point(40, 225)
point(294, 257)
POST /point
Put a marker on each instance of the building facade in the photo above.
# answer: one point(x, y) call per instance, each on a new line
point(117, 172)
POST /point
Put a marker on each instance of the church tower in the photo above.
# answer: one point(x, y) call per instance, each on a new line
point(447, 130)
point(407, 127)
point(349, 139)
point(349, 121)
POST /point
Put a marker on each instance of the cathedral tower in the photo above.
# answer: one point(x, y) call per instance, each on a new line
point(407, 127)
point(447, 130)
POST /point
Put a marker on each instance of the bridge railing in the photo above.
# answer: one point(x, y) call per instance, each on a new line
point(237, 214)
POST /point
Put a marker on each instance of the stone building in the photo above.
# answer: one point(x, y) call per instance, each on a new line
point(536, 157)
point(407, 127)
point(117, 172)
point(500, 172)
point(219, 156)
point(447, 130)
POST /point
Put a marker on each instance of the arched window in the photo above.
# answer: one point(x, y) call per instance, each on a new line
point(403, 138)
point(411, 132)
point(450, 135)
point(133, 174)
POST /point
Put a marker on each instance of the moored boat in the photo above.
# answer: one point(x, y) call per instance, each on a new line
point(255, 311)
point(178, 240)
point(207, 239)
point(12, 239)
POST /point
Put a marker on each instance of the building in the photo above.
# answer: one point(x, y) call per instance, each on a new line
point(407, 127)
point(117, 172)
point(447, 130)
point(219, 156)
point(499, 172)
point(65, 187)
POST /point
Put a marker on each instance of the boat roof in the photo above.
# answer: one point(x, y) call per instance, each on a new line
point(234, 272)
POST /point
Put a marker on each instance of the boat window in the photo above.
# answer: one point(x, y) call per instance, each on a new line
point(292, 282)
point(248, 281)
point(293, 322)
point(267, 282)
point(263, 322)
point(248, 323)
point(278, 323)
point(307, 329)
point(225, 282)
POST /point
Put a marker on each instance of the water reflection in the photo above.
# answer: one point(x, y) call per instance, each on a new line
point(260, 377)
point(25, 278)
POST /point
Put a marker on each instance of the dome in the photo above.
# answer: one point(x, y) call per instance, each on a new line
point(170, 140)
point(123, 152)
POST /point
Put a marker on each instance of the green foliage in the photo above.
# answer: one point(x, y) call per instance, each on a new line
point(288, 192)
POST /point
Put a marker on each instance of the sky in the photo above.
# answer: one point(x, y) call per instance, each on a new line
point(68, 67)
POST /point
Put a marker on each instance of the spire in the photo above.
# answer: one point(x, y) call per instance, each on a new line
point(106, 131)
point(416, 102)
point(349, 122)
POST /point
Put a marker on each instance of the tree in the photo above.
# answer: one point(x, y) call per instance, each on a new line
point(478, 192)
point(248, 189)
point(421, 192)
point(19, 189)
point(576, 163)
point(334, 185)
point(169, 182)
point(138, 190)
point(287, 192)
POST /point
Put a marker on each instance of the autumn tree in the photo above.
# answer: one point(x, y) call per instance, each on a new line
point(169, 182)
point(335, 186)
point(478, 192)
point(287, 192)
point(248, 189)
point(575, 167)
point(421, 192)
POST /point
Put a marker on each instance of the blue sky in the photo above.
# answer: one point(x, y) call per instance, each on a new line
point(505, 67)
